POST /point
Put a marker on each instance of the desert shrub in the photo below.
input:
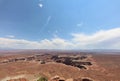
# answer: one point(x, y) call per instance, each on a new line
point(42, 79)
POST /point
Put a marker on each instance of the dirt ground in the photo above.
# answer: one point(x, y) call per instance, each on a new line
point(105, 68)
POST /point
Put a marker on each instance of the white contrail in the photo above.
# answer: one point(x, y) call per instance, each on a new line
point(48, 20)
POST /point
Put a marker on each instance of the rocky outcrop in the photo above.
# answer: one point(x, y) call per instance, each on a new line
point(30, 58)
point(57, 78)
point(76, 61)
point(19, 79)
point(86, 79)
point(79, 79)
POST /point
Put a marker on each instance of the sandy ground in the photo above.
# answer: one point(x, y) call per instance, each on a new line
point(105, 68)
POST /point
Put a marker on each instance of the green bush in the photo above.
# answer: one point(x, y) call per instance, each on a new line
point(42, 79)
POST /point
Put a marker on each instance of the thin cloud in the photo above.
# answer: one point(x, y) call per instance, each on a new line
point(80, 24)
point(48, 20)
point(46, 23)
point(10, 36)
point(55, 34)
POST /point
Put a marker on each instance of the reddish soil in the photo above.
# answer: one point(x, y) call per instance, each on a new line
point(105, 68)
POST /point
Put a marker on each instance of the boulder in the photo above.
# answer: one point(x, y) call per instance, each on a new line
point(57, 78)
point(70, 79)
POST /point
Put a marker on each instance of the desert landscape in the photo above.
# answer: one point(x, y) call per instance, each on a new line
point(29, 65)
point(59, 40)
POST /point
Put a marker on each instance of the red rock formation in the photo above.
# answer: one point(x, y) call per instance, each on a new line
point(20, 79)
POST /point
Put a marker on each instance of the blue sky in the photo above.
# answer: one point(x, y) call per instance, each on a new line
point(66, 24)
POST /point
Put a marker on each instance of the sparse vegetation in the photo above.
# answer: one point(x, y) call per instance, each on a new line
point(42, 79)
